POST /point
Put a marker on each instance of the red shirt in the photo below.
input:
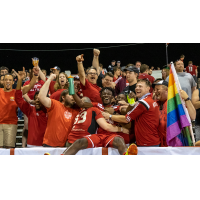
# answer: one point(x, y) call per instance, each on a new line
point(191, 70)
point(163, 123)
point(8, 107)
point(37, 120)
point(56, 95)
point(146, 116)
point(92, 91)
point(51, 87)
point(85, 124)
point(148, 77)
point(59, 124)
point(36, 88)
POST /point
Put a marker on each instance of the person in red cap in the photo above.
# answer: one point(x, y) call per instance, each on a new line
point(56, 71)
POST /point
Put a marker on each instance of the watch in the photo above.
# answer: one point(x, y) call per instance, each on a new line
point(110, 116)
point(188, 99)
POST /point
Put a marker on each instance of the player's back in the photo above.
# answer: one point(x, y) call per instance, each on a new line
point(85, 124)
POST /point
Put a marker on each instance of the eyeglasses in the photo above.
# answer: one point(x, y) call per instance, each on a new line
point(92, 73)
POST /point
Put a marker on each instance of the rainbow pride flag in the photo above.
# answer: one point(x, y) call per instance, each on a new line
point(178, 133)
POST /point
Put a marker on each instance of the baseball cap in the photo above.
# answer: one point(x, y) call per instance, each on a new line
point(132, 69)
point(123, 68)
point(118, 62)
point(165, 83)
point(56, 67)
point(113, 61)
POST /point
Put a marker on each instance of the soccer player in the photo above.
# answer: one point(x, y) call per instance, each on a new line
point(107, 95)
point(61, 116)
point(85, 129)
point(37, 115)
point(146, 116)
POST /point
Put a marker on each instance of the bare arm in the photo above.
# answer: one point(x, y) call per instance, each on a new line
point(42, 76)
point(26, 97)
point(28, 87)
point(43, 92)
point(195, 99)
point(80, 103)
point(108, 127)
point(116, 118)
point(81, 71)
point(189, 105)
point(95, 62)
point(193, 89)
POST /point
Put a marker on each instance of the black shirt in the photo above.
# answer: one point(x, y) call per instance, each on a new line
point(128, 89)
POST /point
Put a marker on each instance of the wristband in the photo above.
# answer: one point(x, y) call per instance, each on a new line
point(188, 99)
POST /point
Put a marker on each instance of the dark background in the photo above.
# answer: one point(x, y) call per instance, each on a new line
point(152, 54)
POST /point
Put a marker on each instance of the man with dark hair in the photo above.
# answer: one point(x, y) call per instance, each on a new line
point(2, 81)
point(118, 64)
point(37, 115)
point(122, 83)
point(144, 69)
point(186, 80)
point(4, 70)
point(60, 112)
point(131, 76)
point(110, 67)
point(107, 81)
point(8, 114)
point(104, 137)
point(89, 85)
point(146, 115)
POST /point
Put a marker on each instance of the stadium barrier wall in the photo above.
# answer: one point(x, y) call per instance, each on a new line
point(104, 151)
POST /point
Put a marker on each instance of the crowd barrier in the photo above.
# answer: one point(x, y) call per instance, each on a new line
point(104, 151)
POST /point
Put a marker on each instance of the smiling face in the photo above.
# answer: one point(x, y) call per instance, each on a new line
point(121, 97)
point(8, 82)
point(106, 97)
point(107, 81)
point(141, 89)
point(92, 76)
point(161, 92)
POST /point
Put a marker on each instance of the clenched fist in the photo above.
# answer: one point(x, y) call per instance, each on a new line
point(80, 58)
point(96, 52)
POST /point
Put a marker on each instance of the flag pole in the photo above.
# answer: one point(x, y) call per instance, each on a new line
point(167, 53)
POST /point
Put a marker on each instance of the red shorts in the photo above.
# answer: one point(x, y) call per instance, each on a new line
point(73, 136)
point(101, 140)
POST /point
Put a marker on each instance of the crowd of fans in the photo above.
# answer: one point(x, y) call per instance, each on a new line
point(111, 107)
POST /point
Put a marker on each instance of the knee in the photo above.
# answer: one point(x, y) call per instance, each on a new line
point(81, 143)
point(118, 141)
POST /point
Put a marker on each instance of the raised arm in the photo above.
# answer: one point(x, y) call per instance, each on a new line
point(81, 71)
point(189, 105)
point(80, 103)
point(108, 127)
point(95, 62)
point(43, 92)
point(39, 71)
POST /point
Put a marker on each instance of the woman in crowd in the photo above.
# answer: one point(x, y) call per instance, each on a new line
point(60, 85)
point(165, 74)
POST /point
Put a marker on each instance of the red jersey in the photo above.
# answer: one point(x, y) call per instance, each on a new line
point(51, 87)
point(85, 124)
point(146, 116)
point(37, 120)
point(191, 70)
point(36, 88)
point(148, 77)
point(56, 95)
point(8, 107)
point(163, 122)
point(92, 91)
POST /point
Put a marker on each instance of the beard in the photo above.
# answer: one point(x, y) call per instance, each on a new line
point(69, 103)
